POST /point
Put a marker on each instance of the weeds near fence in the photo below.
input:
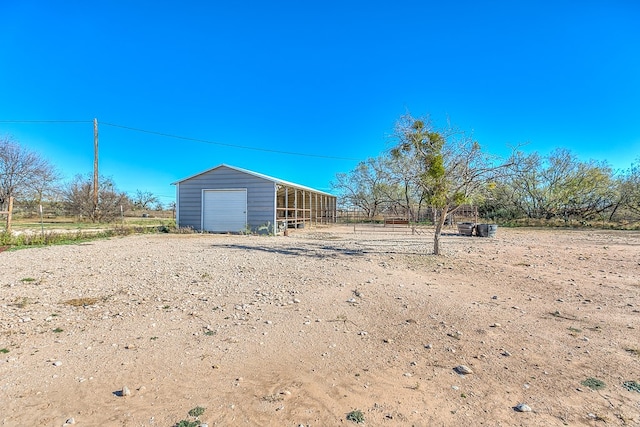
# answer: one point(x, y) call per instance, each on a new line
point(48, 238)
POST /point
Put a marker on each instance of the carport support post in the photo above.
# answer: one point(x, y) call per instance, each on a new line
point(275, 209)
point(304, 211)
point(286, 208)
point(326, 209)
point(333, 215)
point(295, 205)
point(310, 208)
point(335, 210)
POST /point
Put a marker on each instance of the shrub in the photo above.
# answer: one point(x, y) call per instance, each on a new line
point(356, 416)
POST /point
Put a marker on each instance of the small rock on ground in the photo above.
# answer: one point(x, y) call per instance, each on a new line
point(463, 369)
point(522, 407)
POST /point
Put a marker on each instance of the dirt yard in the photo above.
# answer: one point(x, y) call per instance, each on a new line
point(305, 330)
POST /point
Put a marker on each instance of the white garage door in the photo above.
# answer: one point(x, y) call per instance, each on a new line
point(224, 210)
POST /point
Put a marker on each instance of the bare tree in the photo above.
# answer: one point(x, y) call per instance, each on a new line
point(452, 167)
point(363, 186)
point(23, 173)
point(78, 197)
point(407, 196)
point(144, 200)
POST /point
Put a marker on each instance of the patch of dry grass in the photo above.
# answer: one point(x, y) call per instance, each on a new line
point(81, 302)
point(272, 398)
point(22, 302)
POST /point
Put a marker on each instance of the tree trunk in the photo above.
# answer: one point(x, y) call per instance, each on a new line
point(613, 212)
point(439, 224)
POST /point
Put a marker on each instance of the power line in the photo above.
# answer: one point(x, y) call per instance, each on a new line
point(46, 121)
point(243, 147)
point(186, 138)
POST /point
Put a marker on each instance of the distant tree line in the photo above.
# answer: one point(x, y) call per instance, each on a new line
point(559, 186)
point(431, 168)
point(33, 182)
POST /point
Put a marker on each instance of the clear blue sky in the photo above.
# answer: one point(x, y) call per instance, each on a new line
point(326, 78)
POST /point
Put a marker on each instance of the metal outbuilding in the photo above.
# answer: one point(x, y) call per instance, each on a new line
point(229, 199)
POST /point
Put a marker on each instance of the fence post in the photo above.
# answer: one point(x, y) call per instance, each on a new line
point(9, 215)
point(41, 222)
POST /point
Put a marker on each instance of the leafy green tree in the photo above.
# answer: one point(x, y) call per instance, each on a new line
point(452, 168)
point(500, 202)
point(589, 191)
point(556, 186)
point(629, 189)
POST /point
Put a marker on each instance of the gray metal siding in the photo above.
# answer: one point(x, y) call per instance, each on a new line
point(260, 196)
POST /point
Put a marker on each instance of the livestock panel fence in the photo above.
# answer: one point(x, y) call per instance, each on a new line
point(402, 222)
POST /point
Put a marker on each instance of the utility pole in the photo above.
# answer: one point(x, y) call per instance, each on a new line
point(95, 169)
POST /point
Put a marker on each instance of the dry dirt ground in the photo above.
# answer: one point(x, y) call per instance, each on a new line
point(302, 330)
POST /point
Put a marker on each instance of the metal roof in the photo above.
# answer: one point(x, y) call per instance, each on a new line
point(259, 175)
